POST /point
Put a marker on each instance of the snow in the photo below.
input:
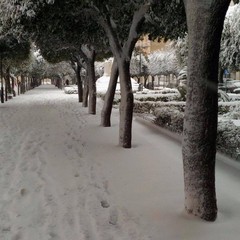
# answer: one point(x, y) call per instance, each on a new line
point(234, 96)
point(236, 122)
point(102, 84)
point(63, 176)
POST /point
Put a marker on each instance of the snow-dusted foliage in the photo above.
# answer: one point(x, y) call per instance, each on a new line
point(164, 95)
point(230, 50)
point(14, 12)
point(232, 112)
point(59, 70)
point(99, 69)
point(34, 65)
point(14, 9)
point(163, 62)
point(146, 107)
point(139, 65)
point(228, 139)
point(181, 47)
point(170, 118)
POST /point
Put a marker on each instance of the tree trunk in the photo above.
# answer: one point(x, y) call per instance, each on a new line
point(23, 87)
point(85, 93)
point(13, 86)
point(28, 84)
point(18, 86)
point(109, 97)
point(8, 82)
point(205, 23)
point(123, 54)
point(126, 105)
point(152, 82)
point(138, 79)
point(92, 84)
point(145, 82)
point(6, 90)
point(220, 74)
point(79, 83)
point(2, 86)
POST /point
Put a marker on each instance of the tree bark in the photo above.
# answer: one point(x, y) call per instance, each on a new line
point(205, 22)
point(77, 64)
point(88, 54)
point(8, 82)
point(2, 85)
point(13, 86)
point(92, 84)
point(79, 83)
point(23, 86)
point(152, 82)
point(145, 82)
point(6, 90)
point(85, 93)
point(109, 97)
point(126, 105)
point(123, 54)
point(18, 86)
point(220, 74)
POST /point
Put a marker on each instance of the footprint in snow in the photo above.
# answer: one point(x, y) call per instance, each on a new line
point(23, 192)
point(105, 204)
point(113, 218)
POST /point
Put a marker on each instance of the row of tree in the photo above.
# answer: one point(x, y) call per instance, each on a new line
point(14, 59)
point(154, 64)
point(23, 68)
point(82, 31)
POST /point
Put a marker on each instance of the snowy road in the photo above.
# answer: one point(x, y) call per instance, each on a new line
point(62, 176)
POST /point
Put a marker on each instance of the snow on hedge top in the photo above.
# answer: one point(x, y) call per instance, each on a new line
point(102, 84)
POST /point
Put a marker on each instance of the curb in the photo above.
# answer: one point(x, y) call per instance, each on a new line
point(223, 159)
point(171, 135)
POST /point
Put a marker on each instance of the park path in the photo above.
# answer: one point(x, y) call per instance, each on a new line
point(62, 176)
point(48, 188)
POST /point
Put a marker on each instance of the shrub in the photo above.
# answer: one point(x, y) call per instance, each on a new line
point(150, 106)
point(222, 109)
point(116, 100)
point(156, 97)
point(228, 139)
point(183, 92)
point(143, 107)
point(170, 118)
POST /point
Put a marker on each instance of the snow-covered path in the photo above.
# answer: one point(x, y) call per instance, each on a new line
point(62, 176)
point(47, 184)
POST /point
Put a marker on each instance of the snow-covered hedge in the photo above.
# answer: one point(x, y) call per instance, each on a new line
point(144, 107)
point(227, 107)
point(116, 100)
point(155, 98)
point(234, 96)
point(169, 117)
point(164, 95)
point(71, 89)
point(228, 139)
point(150, 106)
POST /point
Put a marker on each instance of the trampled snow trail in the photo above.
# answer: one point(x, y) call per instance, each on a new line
point(49, 190)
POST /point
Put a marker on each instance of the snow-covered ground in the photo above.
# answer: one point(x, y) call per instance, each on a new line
point(62, 176)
